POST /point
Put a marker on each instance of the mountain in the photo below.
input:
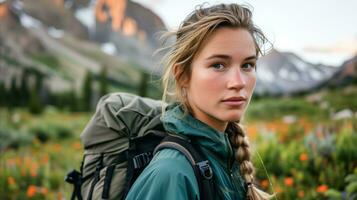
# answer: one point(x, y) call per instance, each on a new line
point(48, 37)
point(345, 75)
point(63, 39)
point(285, 73)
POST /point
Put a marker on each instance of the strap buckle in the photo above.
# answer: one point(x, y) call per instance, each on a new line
point(73, 177)
point(205, 169)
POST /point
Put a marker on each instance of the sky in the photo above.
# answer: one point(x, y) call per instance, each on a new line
point(319, 31)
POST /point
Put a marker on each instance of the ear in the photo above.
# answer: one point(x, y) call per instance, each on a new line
point(181, 77)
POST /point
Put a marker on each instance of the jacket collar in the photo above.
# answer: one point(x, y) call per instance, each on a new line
point(212, 142)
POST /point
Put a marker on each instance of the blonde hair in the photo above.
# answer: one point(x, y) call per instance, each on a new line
point(190, 37)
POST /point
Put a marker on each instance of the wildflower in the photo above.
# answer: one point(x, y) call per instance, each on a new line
point(11, 181)
point(33, 172)
point(322, 189)
point(57, 147)
point(301, 194)
point(23, 172)
point(31, 191)
point(44, 190)
point(303, 157)
point(59, 196)
point(289, 181)
point(265, 183)
point(77, 145)
point(34, 169)
point(45, 159)
point(27, 161)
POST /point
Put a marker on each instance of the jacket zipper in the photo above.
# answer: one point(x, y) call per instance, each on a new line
point(230, 162)
point(229, 165)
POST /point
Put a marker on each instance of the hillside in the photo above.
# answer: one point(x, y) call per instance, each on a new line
point(62, 51)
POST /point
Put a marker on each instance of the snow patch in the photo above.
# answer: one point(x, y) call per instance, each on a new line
point(287, 75)
point(28, 21)
point(300, 64)
point(55, 33)
point(265, 74)
point(316, 75)
point(86, 15)
point(109, 48)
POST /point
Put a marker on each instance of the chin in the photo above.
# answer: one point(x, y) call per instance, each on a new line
point(234, 117)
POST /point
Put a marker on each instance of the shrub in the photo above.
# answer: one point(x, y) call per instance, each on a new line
point(270, 153)
point(13, 139)
point(346, 149)
point(51, 131)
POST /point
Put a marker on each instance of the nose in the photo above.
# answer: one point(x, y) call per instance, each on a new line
point(236, 79)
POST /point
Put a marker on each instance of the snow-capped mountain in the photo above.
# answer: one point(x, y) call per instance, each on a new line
point(286, 73)
point(85, 35)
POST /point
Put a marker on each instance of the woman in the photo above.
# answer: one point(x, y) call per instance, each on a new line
point(212, 66)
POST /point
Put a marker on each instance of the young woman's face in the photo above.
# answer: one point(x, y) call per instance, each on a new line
point(223, 77)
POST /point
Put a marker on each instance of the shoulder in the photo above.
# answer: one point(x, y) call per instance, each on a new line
point(168, 176)
point(168, 159)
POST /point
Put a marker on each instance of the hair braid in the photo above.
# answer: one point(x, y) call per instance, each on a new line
point(240, 142)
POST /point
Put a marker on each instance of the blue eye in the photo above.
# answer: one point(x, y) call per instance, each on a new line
point(248, 66)
point(218, 66)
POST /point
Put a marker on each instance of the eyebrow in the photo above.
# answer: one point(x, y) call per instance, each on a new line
point(223, 56)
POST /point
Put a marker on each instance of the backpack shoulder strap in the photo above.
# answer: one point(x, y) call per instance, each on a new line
point(199, 163)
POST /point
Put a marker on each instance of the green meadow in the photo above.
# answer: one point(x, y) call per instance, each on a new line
point(303, 147)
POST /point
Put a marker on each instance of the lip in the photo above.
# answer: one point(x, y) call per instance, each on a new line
point(234, 101)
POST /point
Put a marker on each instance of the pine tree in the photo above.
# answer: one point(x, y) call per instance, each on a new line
point(2, 94)
point(13, 93)
point(35, 104)
point(24, 90)
point(143, 84)
point(73, 104)
point(103, 81)
point(87, 91)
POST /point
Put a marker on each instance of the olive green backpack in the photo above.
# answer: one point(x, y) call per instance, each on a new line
point(119, 142)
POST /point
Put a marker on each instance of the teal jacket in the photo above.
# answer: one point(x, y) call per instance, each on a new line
point(170, 175)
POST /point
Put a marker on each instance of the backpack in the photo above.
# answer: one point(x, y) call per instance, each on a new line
point(120, 141)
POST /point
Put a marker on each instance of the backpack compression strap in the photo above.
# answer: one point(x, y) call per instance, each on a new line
point(200, 165)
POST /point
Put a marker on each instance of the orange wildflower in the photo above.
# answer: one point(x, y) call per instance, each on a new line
point(31, 191)
point(33, 172)
point(45, 159)
point(322, 189)
point(289, 181)
point(44, 190)
point(23, 172)
point(59, 196)
point(303, 157)
point(33, 169)
point(11, 181)
point(264, 183)
point(77, 145)
point(301, 194)
point(27, 161)
point(57, 147)
point(252, 131)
